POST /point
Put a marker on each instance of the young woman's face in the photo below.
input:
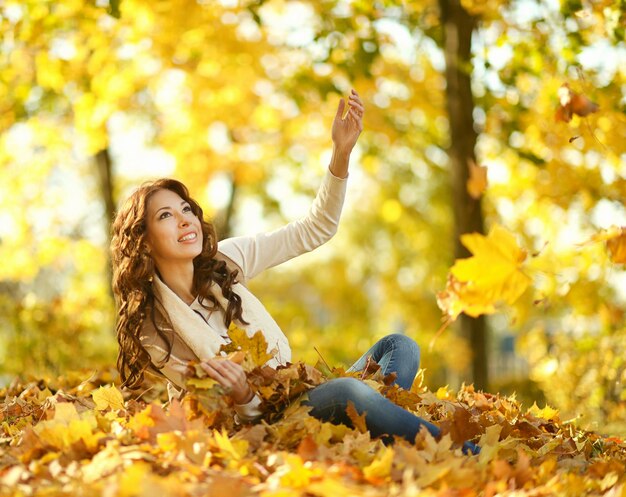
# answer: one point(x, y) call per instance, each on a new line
point(174, 233)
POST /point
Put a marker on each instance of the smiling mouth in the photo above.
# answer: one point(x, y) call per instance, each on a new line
point(190, 236)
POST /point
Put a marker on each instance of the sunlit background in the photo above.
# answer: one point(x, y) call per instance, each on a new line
point(236, 99)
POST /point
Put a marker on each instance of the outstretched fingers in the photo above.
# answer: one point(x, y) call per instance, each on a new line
point(355, 103)
point(340, 109)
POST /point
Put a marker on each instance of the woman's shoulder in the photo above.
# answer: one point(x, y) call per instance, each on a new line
point(149, 335)
point(159, 342)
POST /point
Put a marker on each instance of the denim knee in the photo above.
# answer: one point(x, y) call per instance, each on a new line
point(407, 345)
point(351, 389)
point(334, 395)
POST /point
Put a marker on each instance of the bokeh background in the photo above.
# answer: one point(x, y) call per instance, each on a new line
point(236, 98)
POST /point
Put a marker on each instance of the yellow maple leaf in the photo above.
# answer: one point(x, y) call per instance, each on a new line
point(546, 413)
point(491, 275)
point(380, 467)
point(106, 397)
point(443, 393)
point(255, 346)
point(141, 422)
point(68, 427)
point(65, 412)
point(230, 448)
point(295, 473)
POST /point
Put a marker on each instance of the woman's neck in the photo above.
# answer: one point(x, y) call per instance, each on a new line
point(179, 278)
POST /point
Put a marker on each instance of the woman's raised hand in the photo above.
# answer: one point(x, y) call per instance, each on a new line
point(232, 377)
point(345, 132)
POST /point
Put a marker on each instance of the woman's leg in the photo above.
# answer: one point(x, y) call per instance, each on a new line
point(395, 353)
point(382, 417)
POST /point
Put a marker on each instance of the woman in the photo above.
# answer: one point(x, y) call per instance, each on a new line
point(178, 291)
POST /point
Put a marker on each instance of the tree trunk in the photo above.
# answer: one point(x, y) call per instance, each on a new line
point(105, 181)
point(225, 228)
point(458, 28)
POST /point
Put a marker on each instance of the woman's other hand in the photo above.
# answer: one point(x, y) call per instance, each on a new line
point(232, 377)
point(345, 133)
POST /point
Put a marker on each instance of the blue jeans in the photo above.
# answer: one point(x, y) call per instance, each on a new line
point(394, 353)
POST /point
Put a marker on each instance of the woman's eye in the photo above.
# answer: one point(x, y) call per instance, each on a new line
point(164, 215)
point(187, 208)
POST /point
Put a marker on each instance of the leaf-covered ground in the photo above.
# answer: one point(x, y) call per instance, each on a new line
point(79, 436)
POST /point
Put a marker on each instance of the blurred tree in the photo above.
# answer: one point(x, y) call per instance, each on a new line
point(458, 27)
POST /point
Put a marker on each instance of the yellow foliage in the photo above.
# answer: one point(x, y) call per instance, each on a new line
point(615, 238)
point(255, 346)
point(234, 450)
point(547, 412)
point(380, 467)
point(296, 473)
point(491, 275)
point(108, 397)
point(68, 427)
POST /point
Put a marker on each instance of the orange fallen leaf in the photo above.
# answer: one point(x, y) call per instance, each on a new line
point(477, 182)
point(358, 420)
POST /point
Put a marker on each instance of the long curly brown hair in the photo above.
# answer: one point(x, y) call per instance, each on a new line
point(133, 269)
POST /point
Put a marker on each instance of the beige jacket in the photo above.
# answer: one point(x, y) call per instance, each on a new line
point(250, 255)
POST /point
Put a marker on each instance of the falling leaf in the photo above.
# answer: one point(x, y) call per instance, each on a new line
point(108, 397)
point(477, 182)
point(617, 247)
point(571, 103)
point(615, 238)
point(492, 275)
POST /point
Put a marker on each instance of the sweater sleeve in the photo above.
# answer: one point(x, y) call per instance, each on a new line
point(249, 411)
point(253, 254)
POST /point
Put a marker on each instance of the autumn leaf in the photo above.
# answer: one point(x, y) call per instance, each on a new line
point(615, 239)
point(233, 449)
point(547, 413)
point(108, 397)
point(300, 455)
point(571, 103)
point(477, 182)
point(493, 274)
point(202, 383)
point(617, 247)
point(380, 467)
point(358, 420)
point(255, 347)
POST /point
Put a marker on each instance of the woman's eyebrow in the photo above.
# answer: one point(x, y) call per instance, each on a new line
point(168, 207)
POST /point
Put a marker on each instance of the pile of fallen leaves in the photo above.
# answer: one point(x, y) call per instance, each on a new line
point(81, 436)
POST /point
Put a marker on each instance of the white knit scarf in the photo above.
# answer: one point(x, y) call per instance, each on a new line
point(203, 340)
